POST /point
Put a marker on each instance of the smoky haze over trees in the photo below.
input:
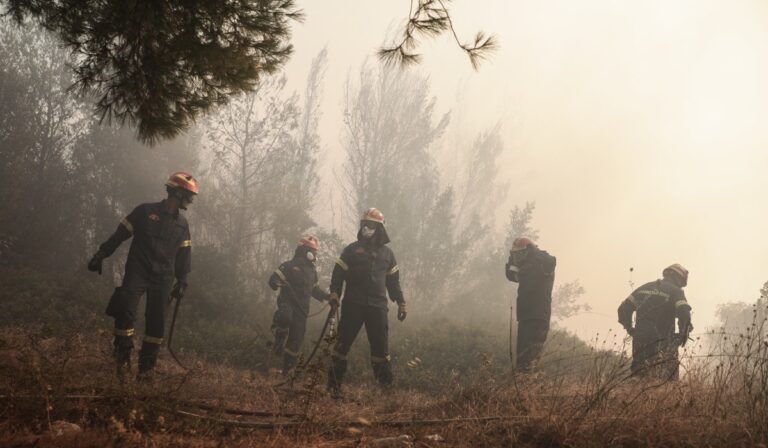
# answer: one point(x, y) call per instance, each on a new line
point(252, 135)
point(160, 66)
point(67, 181)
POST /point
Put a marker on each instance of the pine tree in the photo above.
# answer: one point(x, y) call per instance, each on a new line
point(160, 64)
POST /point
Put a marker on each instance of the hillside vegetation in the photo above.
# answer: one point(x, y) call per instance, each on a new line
point(459, 392)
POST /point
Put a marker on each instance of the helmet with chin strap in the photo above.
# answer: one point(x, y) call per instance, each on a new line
point(183, 181)
point(373, 214)
point(521, 243)
point(677, 270)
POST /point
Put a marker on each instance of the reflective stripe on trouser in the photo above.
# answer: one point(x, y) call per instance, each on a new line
point(289, 325)
point(123, 307)
point(123, 340)
point(382, 370)
point(353, 317)
point(123, 346)
point(531, 335)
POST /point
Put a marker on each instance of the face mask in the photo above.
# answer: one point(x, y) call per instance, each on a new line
point(311, 256)
point(184, 200)
point(367, 231)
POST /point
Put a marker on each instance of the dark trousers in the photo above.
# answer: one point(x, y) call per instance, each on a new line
point(531, 335)
point(655, 357)
point(289, 325)
point(123, 306)
point(353, 317)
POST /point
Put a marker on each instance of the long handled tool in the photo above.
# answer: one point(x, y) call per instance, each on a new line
point(512, 350)
point(170, 333)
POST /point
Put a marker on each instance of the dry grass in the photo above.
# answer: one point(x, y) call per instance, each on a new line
point(721, 401)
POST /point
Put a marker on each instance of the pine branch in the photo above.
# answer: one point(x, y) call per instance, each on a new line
point(481, 49)
point(431, 19)
point(160, 65)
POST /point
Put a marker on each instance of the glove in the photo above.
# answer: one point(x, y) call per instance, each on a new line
point(401, 312)
point(630, 331)
point(511, 271)
point(178, 290)
point(95, 264)
point(685, 330)
point(333, 300)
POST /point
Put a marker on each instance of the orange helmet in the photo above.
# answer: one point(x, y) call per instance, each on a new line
point(310, 241)
point(373, 214)
point(677, 269)
point(521, 243)
point(183, 180)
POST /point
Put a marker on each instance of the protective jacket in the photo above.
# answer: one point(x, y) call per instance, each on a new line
point(536, 277)
point(300, 279)
point(297, 281)
point(370, 272)
point(657, 304)
point(160, 249)
point(654, 345)
point(161, 246)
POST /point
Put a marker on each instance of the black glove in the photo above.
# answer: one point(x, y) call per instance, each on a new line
point(685, 329)
point(95, 264)
point(630, 331)
point(401, 311)
point(178, 290)
point(333, 300)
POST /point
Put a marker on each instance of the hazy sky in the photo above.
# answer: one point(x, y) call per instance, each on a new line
point(637, 127)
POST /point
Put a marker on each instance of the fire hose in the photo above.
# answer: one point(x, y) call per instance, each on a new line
point(331, 321)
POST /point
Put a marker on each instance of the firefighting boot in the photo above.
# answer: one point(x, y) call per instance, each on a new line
point(123, 346)
point(147, 360)
point(336, 376)
point(289, 362)
point(383, 372)
point(281, 336)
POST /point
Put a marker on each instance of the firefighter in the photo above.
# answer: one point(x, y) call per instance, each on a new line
point(370, 271)
point(534, 271)
point(654, 341)
point(160, 251)
point(297, 281)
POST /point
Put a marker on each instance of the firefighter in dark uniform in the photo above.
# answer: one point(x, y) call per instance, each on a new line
point(370, 271)
point(656, 305)
point(297, 281)
point(160, 251)
point(534, 272)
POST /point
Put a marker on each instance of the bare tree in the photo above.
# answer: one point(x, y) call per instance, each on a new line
point(565, 300)
point(264, 148)
point(520, 224)
point(389, 133)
